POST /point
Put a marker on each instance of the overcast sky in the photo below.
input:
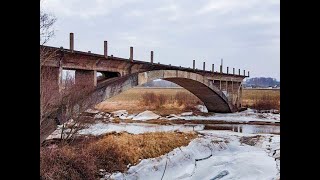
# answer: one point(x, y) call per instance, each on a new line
point(245, 33)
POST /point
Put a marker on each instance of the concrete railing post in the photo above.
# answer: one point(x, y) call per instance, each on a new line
point(151, 58)
point(106, 49)
point(131, 54)
point(204, 66)
point(71, 42)
point(194, 64)
point(244, 72)
point(212, 67)
point(248, 74)
point(227, 70)
point(239, 72)
point(233, 71)
point(220, 68)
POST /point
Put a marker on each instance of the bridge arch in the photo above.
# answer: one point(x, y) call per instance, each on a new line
point(197, 84)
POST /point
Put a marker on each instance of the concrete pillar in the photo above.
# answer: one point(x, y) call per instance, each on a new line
point(220, 68)
point(204, 66)
point(220, 84)
point(240, 95)
point(212, 67)
point(232, 90)
point(244, 72)
point(239, 72)
point(131, 54)
point(227, 86)
point(106, 49)
point(50, 79)
point(227, 70)
point(151, 58)
point(194, 64)
point(233, 70)
point(86, 78)
point(248, 74)
point(71, 42)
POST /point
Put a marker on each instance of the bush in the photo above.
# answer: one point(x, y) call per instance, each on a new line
point(67, 163)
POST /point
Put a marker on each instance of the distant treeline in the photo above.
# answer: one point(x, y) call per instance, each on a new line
point(262, 82)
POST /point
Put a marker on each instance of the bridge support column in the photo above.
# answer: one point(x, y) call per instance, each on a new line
point(232, 91)
point(50, 79)
point(86, 78)
point(240, 95)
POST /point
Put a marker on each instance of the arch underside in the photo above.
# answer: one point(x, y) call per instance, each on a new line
point(212, 100)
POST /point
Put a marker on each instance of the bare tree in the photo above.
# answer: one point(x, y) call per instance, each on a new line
point(46, 25)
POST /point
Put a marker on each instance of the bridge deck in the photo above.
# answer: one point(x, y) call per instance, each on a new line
point(154, 66)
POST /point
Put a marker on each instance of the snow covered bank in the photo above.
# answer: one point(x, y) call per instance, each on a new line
point(244, 116)
point(216, 155)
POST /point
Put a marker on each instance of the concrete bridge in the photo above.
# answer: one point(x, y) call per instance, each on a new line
point(219, 91)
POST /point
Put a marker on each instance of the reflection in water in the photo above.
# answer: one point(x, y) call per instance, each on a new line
point(246, 128)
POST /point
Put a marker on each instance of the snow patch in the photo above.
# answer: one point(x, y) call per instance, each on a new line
point(146, 115)
point(209, 157)
point(202, 108)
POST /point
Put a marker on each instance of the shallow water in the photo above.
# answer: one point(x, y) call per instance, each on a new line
point(245, 128)
point(138, 128)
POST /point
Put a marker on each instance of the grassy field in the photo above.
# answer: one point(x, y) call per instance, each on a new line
point(262, 99)
point(134, 100)
point(163, 101)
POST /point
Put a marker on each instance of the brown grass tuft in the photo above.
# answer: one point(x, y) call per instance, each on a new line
point(112, 152)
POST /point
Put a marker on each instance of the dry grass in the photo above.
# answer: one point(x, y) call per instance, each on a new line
point(112, 152)
point(163, 101)
point(166, 101)
point(261, 99)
